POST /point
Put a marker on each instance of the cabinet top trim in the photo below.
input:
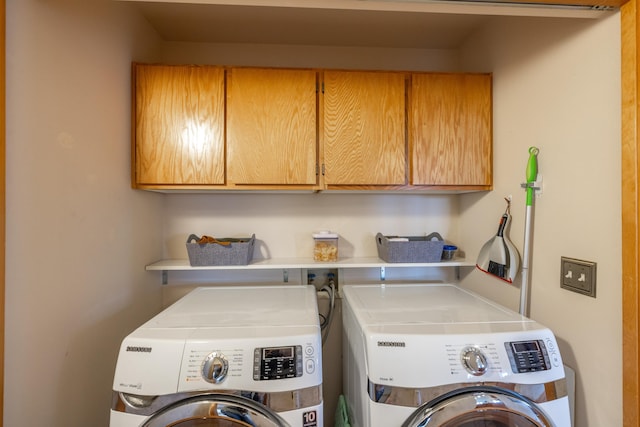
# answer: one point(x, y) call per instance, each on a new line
point(535, 8)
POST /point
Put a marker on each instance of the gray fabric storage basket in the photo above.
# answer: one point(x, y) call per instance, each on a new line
point(239, 252)
point(416, 249)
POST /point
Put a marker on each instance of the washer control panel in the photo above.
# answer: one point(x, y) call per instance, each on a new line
point(499, 358)
point(528, 356)
point(275, 363)
point(238, 365)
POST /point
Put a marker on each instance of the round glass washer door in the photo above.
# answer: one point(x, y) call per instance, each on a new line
point(215, 410)
point(479, 407)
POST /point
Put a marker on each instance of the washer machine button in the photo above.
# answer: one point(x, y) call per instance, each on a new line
point(474, 361)
point(310, 366)
point(215, 368)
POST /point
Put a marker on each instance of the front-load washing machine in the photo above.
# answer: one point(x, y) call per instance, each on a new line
point(438, 355)
point(227, 356)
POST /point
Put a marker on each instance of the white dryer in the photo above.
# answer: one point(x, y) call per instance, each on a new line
point(437, 355)
point(224, 356)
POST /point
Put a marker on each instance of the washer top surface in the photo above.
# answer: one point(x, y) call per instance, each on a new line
point(240, 306)
point(424, 304)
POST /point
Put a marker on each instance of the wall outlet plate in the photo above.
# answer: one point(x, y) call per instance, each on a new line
point(578, 276)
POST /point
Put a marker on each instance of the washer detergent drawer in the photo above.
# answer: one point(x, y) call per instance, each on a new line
point(475, 406)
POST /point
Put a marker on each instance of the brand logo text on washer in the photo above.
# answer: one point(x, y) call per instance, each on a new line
point(139, 349)
point(391, 344)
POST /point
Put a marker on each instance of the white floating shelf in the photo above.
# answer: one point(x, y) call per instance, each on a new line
point(286, 264)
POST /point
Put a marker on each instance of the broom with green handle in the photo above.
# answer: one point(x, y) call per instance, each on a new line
point(532, 176)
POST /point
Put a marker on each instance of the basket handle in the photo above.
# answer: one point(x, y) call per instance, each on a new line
point(434, 235)
point(193, 237)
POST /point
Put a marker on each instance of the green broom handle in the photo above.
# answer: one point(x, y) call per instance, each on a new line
point(532, 173)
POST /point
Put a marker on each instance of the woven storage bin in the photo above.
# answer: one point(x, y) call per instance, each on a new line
point(414, 249)
point(239, 252)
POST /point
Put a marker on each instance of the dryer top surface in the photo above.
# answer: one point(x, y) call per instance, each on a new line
point(424, 304)
point(241, 306)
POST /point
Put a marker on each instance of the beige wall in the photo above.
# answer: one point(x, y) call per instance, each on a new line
point(78, 237)
point(557, 87)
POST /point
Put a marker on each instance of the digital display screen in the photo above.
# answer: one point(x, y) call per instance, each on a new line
point(279, 352)
point(528, 356)
point(525, 346)
point(277, 363)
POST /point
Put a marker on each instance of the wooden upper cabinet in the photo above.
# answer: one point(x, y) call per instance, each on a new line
point(279, 130)
point(179, 125)
point(272, 127)
point(364, 128)
point(450, 130)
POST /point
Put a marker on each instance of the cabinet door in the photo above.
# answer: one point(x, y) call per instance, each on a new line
point(450, 129)
point(272, 127)
point(179, 125)
point(364, 128)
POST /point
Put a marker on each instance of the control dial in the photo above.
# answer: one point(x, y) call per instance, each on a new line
point(215, 368)
point(474, 361)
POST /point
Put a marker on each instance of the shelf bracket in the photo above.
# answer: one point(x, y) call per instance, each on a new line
point(383, 273)
point(165, 277)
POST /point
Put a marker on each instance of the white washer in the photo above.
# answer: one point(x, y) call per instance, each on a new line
point(233, 356)
point(438, 355)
